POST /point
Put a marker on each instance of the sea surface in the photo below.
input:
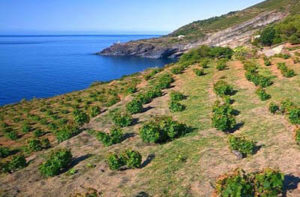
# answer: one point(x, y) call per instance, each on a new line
point(45, 66)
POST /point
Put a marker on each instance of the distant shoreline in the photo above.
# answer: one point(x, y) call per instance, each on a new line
point(78, 35)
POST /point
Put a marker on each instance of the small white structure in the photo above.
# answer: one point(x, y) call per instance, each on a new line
point(180, 37)
point(255, 38)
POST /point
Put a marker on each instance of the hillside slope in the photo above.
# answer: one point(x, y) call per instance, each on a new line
point(233, 29)
point(187, 166)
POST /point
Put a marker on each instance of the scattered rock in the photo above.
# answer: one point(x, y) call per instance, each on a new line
point(238, 154)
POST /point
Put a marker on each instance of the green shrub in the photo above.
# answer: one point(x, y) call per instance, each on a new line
point(223, 117)
point(242, 145)
point(273, 108)
point(112, 100)
point(62, 121)
point(135, 106)
point(4, 152)
point(294, 39)
point(34, 145)
point(253, 75)
point(286, 106)
point(122, 119)
point(221, 88)
point(175, 106)
point(164, 81)
point(228, 100)
point(26, 128)
point(66, 133)
point(283, 56)
point(115, 162)
point(80, 117)
point(268, 183)
point(267, 61)
point(12, 135)
point(199, 72)
point(235, 185)
point(221, 65)
point(131, 90)
point(133, 159)
point(18, 162)
point(94, 111)
point(130, 158)
point(267, 36)
point(177, 70)
point(152, 73)
point(286, 72)
point(262, 94)
point(204, 62)
point(116, 136)
point(38, 133)
point(162, 129)
point(176, 96)
point(52, 126)
point(59, 160)
point(143, 98)
point(148, 96)
point(150, 132)
point(294, 115)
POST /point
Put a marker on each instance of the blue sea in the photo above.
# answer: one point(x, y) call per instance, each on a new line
point(45, 66)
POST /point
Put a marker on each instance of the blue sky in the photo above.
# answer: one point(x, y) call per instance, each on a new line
point(108, 16)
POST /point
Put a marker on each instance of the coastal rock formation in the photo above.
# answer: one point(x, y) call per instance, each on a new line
point(141, 49)
point(164, 48)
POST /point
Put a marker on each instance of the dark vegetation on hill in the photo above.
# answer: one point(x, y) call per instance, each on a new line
point(200, 28)
point(287, 30)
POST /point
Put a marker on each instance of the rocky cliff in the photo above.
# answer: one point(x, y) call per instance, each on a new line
point(172, 47)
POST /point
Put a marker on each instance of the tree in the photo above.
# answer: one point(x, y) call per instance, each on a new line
point(267, 36)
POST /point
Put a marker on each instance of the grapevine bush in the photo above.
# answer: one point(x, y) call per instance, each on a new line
point(253, 75)
point(94, 111)
point(222, 89)
point(175, 106)
point(221, 64)
point(176, 96)
point(16, 163)
point(135, 106)
point(114, 137)
point(266, 183)
point(4, 152)
point(59, 160)
point(177, 70)
point(267, 61)
point(242, 145)
point(66, 133)
point(122, 119)
point(285, 71)
point(199, 72)
point(80, 117)
point(223, 117)
point(162, 129)
point(129, 158)
point(34, 145)
point(263, 95)
point(273, 108)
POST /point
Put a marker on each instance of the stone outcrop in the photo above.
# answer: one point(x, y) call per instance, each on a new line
point(160, 48)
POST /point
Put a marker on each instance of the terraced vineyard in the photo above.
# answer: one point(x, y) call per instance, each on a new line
point(177, 131)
